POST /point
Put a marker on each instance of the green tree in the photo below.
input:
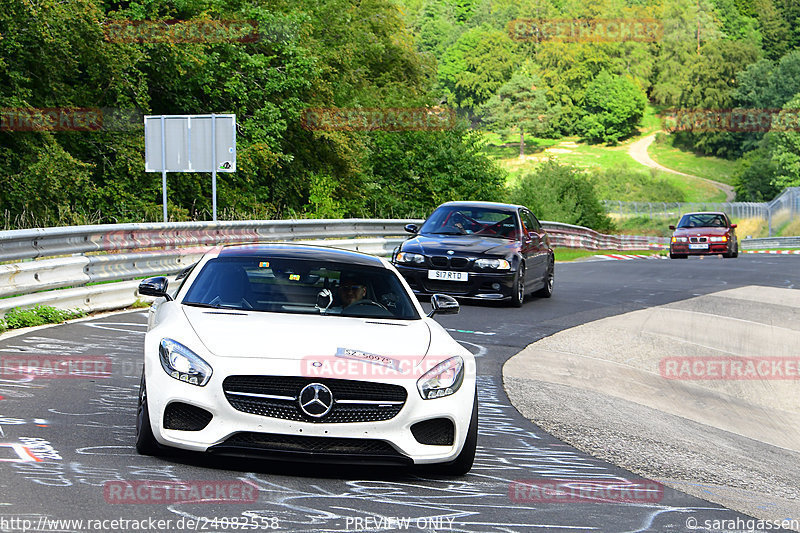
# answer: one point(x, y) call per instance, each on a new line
point(613, 108)
point(754, 178)
point(775, 31)
point(413, 172)
point(785, 145)
point(476, 65)
point(561, 193)
point(521, 105)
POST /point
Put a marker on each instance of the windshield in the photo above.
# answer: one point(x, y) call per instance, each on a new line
point(300, 286)
point(712, 220)
point(459, 220)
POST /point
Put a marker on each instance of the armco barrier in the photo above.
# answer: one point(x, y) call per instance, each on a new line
point(124, 252)
point(769, 242)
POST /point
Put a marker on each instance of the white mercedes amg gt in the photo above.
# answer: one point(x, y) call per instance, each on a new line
point(304, 353)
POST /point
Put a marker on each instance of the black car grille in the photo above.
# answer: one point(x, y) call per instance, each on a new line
point(185, 417)
point(448, 287)
point(697, 239)
point(457, 263)
point(436, 432)
point(289, 387)
point(302, 447)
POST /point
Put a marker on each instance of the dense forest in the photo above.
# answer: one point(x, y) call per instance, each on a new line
point(462, 55)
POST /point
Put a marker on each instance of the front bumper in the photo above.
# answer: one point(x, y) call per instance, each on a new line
point(234, 432)
point(482, 285)
point(714, 248)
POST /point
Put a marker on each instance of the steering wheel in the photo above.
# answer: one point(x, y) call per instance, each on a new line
point(366, 303)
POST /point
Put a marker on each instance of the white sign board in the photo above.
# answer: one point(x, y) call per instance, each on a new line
point(182, 143)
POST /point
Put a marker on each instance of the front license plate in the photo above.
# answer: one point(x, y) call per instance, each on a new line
point(703, 246)
point(447, 275)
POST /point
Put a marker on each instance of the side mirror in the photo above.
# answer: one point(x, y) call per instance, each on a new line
point(443, 305)
point(733, 226)
point(411, 228)
point(155, 287)
point(672, 226)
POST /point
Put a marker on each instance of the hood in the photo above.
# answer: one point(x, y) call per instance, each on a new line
point(460, 244)
point(286, 336)
point(694, 232)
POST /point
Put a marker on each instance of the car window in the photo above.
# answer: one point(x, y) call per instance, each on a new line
point(528, 222)
point(703, 220)
point(461, 220)
point(300, 286)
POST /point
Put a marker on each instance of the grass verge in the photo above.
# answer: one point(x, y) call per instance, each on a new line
point(709, 167)
point(571, 254)
point(39, 315)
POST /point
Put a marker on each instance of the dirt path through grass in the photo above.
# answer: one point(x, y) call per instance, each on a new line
point(638, 151)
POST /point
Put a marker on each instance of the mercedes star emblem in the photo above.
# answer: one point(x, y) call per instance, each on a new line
point(316, 400)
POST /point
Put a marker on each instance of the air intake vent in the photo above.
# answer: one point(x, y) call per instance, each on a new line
point(434, 432)
point(185, 417)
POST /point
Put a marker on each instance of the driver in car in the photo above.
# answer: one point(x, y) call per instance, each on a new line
point(351, 292)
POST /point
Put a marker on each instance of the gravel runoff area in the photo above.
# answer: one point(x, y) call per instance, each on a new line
point(736, 442)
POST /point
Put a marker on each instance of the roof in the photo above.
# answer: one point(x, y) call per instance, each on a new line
point(484, 204)
point(300, 251)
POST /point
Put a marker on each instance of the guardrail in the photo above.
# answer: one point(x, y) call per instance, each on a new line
point(122, 253)
point(769, 242)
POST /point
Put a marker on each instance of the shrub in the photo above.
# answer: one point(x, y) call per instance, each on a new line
point(41, 314)
point(561, 193)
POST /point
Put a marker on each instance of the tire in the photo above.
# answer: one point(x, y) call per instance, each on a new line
point(518, 296)
point(463, 463)
point(146, 443)
point(549, 280)
point(677, 256)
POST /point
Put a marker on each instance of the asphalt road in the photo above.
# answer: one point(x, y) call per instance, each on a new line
point(65, 444)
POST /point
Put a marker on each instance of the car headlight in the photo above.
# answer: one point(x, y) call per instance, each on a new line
point(442, 380)
point(406, 257)
point(718, 239)
point(183, 364)
point(498, 264)
point(679, 239)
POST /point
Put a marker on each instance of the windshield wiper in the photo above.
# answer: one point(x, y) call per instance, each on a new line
point(449, 233)
point(212, 306)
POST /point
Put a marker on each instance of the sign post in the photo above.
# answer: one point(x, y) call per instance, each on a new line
point(190, 143)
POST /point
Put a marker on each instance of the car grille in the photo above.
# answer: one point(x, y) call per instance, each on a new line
point(697, 239)
point(436, 432)
point(310, 446)
point(367, 398)
point(457, 263)
point(185, 417)
point(448, 287)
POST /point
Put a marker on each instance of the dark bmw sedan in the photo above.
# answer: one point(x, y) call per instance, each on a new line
point(480, 250)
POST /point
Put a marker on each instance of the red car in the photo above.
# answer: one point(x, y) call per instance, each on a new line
point(704, 234)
